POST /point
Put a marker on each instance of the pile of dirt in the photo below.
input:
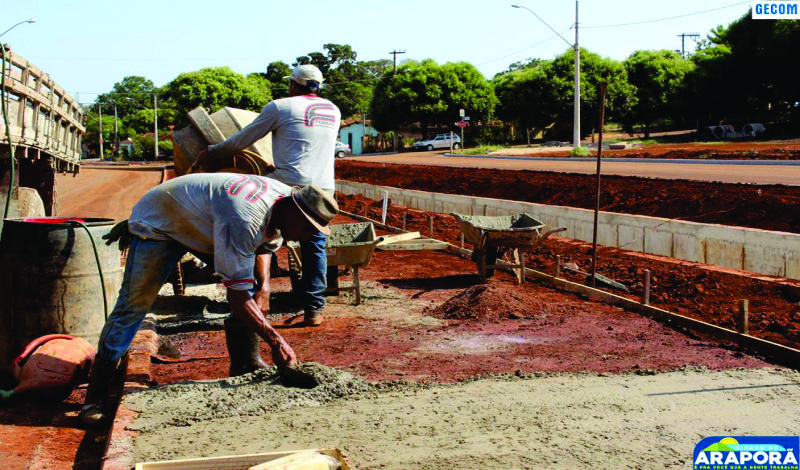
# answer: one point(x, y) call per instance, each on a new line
point(768, 207)
point(490, 302)
point(689, 289)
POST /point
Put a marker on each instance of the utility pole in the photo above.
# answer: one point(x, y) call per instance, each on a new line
point(155, 123)
point(576, 125)
point(683, 42)
point(100, 122)
point(394, 60)
point(116, 132)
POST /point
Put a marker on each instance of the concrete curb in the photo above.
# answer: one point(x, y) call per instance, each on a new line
point(145, 344)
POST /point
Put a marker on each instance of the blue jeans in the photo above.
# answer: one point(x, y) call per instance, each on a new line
point(149, 264)
point(315, 268)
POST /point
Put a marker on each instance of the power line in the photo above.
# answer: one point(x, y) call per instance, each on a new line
point(667, 19)
point(523, 50)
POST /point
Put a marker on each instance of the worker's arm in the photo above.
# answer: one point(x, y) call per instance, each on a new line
point(263, 260)
point(246, 310)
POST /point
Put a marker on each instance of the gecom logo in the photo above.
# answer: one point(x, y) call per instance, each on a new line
point(747, 453)
point(775, 10)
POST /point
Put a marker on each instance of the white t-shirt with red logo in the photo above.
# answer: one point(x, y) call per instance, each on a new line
point(304, 132)
point(221, 213)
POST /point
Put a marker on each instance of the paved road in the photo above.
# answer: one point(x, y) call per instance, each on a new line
point(726, 173)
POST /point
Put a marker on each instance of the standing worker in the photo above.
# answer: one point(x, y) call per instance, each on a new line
point(304, 132)
point(227, 215)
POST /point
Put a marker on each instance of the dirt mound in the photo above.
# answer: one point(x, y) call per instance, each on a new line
point(490, 302)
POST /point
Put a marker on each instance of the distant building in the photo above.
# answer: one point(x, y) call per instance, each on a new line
point(352, 133)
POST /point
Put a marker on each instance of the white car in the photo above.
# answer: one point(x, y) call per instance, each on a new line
point(341, 149)
point(441, 141)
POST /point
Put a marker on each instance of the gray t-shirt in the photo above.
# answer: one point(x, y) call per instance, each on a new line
point(221, 213)
point(304, 131)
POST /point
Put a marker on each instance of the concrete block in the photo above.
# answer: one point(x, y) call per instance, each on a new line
point(657, 241)
point(630, 237)
point(728, 253)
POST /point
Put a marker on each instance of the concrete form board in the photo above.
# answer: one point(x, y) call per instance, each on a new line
point(761, 251)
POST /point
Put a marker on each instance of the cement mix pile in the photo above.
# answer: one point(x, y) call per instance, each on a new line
point(539, 421)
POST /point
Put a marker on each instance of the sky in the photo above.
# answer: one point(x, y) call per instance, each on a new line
point(89, 45)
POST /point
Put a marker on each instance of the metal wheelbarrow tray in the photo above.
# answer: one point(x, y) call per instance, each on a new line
point(348, 246)
point(492, 236)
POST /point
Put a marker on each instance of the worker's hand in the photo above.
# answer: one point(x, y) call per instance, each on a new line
point(119, 233)
point(283, 355)
point(203, 158)
point(262, 299)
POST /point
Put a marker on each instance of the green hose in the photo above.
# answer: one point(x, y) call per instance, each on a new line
point(8, 131)
point(99, 266)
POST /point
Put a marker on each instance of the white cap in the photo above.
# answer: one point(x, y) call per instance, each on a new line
point(303, 73)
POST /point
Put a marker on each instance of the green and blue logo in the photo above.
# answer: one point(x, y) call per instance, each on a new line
point(747, 453)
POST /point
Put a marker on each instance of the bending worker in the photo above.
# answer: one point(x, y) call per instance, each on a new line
point(304, 130)
point(229, 216)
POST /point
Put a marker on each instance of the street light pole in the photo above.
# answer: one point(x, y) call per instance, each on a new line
point(21, 22)
point(155, 123)
point(576, 128)
point(576, 124)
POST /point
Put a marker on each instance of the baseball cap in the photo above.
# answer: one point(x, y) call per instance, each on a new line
point(303, 73)
point(318, 206)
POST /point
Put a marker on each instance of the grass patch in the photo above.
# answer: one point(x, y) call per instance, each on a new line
point(481, 150)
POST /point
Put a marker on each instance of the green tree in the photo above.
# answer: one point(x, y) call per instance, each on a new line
point(658, 78)
point(348, 83)
point(594, 69)
point(130, 95)
point(748, 72)
point(527, 97)
point(276, 71)
point(428, 94)
point(214, 88)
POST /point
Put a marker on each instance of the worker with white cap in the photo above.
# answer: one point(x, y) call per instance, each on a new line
point(304, 131)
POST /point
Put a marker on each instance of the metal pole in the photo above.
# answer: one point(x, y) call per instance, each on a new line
point(100, 123)
point(597, 199)
point(155, 123)
point(576, 134)
point(116, 131)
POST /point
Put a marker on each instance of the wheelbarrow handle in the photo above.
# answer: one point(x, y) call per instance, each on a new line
point(555, 230)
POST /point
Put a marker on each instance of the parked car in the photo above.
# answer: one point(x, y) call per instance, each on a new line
point(341, 149)
point(441, 141)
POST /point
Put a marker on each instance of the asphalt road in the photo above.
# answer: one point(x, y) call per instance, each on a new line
point(705, 171)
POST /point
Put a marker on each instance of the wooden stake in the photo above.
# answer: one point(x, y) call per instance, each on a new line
point(558, 266)
point(646, 295)
point(404, 220)
point(461, 237)
point(743, 314)
point(431, 227)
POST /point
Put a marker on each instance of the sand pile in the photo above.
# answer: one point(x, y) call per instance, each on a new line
point(492, 302)
point(255, 394)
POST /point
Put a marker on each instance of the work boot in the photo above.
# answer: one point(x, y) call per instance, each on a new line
point(243, 348)
point(313, 317)
point(104, 389)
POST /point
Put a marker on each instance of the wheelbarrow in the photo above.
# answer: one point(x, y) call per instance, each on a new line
point(348, 246)
point(494, 236)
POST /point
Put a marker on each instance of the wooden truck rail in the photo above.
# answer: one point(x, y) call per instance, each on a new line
point(45, 121)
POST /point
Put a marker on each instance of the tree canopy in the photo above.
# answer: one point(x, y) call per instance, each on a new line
point(215, 88)
point(431, 95)
point(658, 79)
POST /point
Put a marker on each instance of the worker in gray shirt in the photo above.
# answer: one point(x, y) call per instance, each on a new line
point(304, 130)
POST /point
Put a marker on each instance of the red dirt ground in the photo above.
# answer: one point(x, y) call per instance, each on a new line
point(768, 207)
point(556, 332)
point(689, 289)
point(742, 150)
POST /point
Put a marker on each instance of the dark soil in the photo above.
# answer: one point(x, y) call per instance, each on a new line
point(768, 207)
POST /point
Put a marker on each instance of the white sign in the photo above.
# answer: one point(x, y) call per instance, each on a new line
point(461, 112)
